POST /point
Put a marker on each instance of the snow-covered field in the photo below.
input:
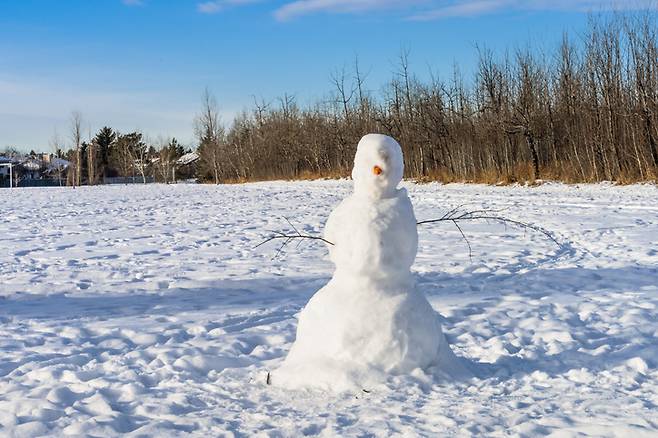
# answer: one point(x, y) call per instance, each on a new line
point(145, 310)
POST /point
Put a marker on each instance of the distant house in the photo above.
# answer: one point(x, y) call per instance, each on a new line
point(33, 170)
point(56, 169)
point(186, 166)
point(187, 159)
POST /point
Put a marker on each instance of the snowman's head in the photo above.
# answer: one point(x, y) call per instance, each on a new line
point(378, 166)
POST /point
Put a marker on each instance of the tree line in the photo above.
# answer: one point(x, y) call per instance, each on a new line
point(111, 154)
point(585, 111)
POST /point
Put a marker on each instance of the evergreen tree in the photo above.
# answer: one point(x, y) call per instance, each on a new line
point(176, 149)
point(84, 163)
point(105, 139)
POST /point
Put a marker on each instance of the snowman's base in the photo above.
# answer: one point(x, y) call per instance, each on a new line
point(356, 332)
point(341, 377)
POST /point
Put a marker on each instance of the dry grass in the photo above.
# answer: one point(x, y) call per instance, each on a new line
point(520, 174)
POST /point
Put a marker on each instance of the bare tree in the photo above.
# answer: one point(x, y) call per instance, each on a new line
point(91, 163)
point(76, 138)
point(584, 111)
point(210, 135)
point(56, 163)
point(164, 160)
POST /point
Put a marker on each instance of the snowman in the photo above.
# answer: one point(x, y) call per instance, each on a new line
point(369, 321)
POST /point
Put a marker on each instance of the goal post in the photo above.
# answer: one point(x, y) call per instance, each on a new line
point(11, 172)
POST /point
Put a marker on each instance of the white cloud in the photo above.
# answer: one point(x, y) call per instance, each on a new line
point(462, 9)
point(304, 7)
point(423, 10)
point(210, 7)
point(133, 2)
point(437, 9)
point(466, 8)
point(215, 6)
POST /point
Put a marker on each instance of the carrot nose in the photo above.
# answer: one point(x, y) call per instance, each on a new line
point(377, 170)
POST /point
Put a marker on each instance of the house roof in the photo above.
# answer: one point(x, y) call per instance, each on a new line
point(188, 158)
point(59, 163)
point(31, 164)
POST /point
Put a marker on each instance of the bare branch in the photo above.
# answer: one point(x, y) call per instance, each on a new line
point(454, 215)
point(289, 237)
point(470, 250)
point(476, 215)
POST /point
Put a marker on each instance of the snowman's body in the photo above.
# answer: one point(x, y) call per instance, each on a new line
point(369, 321)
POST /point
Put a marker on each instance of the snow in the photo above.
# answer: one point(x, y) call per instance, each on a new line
point(369, 321)
point(187, 158)
point(145, 310)
point(31, 164)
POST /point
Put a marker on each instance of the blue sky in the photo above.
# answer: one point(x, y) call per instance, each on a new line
point(143, 64)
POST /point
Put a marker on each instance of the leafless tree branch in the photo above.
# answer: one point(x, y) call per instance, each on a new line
point(287, 238)
point(454, 215)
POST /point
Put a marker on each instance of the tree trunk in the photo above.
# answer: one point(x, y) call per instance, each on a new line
point(533, 152)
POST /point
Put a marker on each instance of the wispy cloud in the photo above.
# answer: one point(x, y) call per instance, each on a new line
point(215, 6)
point(469, 8)
point(423, 10)
point(462, 9)
point(133, 2)
point(438, 9)
point(304, 7)
point(210, 7)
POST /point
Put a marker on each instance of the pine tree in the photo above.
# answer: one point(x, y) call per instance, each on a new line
point(104, 140)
